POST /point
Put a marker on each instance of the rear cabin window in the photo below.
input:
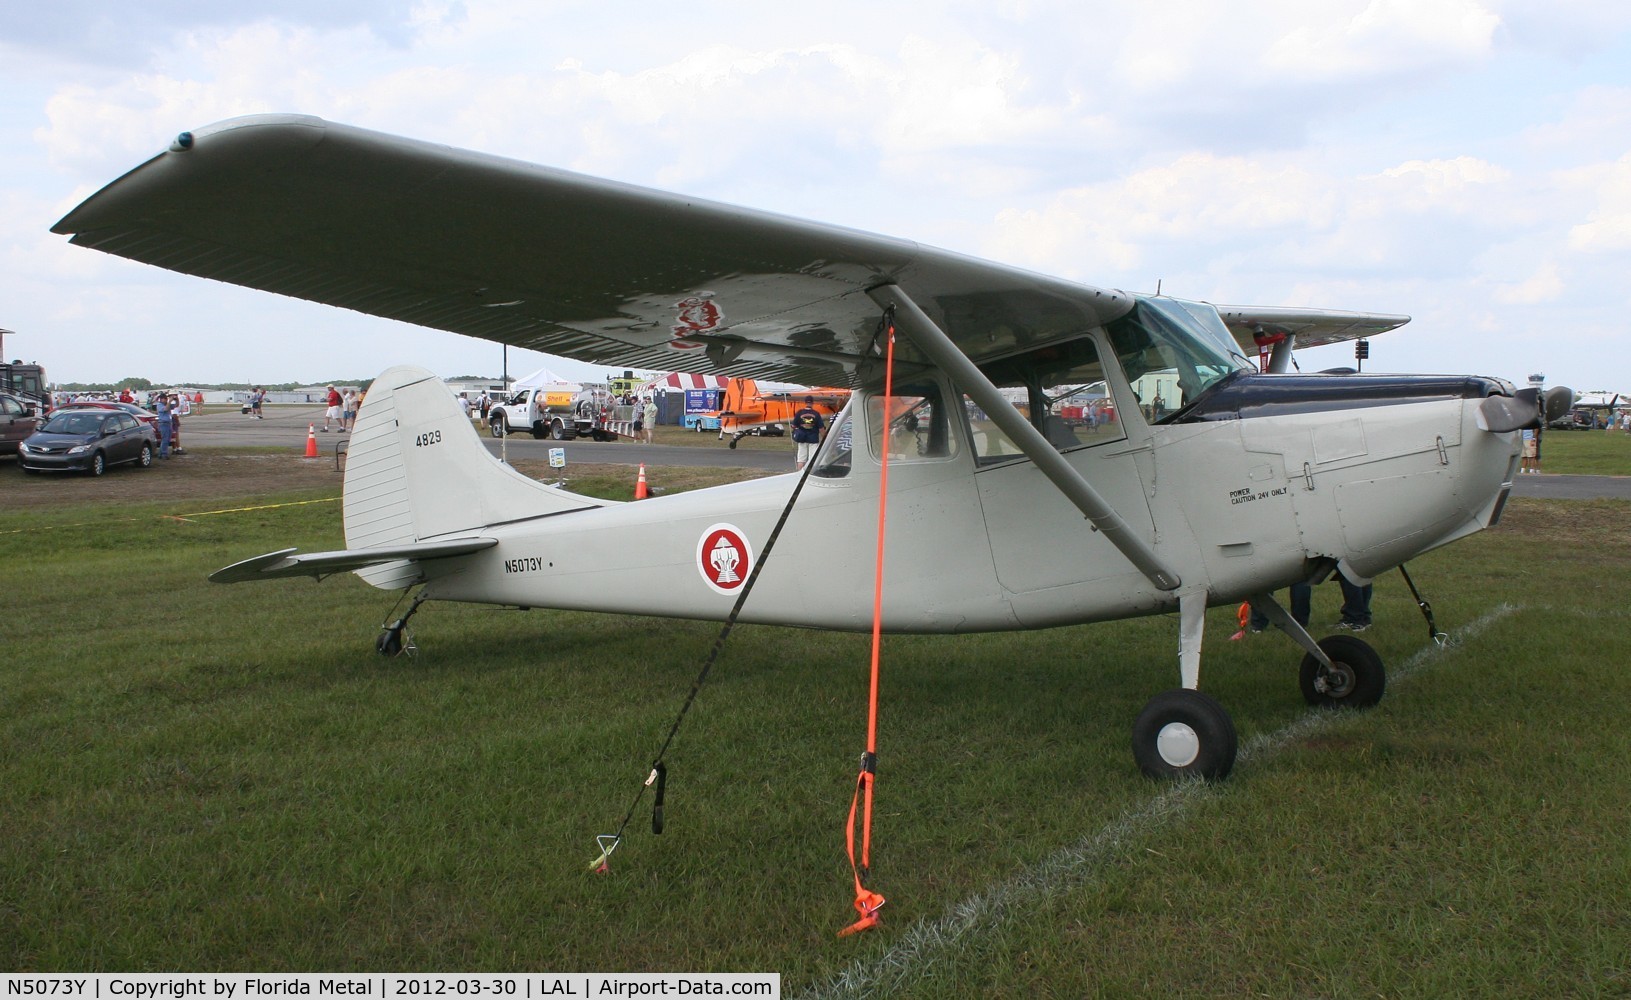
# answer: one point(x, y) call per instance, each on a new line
point(913, 424)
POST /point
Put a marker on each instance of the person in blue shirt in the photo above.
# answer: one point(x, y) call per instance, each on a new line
point(807, 427)
point(166, 426)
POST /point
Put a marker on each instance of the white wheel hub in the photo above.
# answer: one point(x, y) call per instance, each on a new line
point(1178, 744)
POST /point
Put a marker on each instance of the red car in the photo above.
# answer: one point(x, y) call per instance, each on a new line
point(147, 417)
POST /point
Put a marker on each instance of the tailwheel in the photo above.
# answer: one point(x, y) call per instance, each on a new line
point(394, 639)
point(1183, 733)
point(389, 642)
point(1355, 678)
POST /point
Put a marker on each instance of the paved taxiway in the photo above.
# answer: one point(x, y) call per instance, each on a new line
point(285, 426)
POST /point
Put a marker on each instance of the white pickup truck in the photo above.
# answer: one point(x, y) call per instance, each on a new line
point(560, 412)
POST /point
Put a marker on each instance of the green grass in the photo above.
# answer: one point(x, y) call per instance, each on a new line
point(207, 778)
point(1586, 453)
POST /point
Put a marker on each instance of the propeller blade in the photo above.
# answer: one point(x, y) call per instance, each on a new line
point(1500, 414)
point(1559, 400)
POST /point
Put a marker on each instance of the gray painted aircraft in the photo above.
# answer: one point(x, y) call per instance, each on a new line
point(1210, 483)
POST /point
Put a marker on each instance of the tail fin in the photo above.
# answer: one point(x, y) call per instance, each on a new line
point(417, 470)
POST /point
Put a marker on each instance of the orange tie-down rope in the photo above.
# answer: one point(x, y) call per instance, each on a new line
point(867, 902)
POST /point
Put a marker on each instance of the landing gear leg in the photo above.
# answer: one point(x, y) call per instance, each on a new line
point(1339, 670)
point(1184, 733)
point(394, 639)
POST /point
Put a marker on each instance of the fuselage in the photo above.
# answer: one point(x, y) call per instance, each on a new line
point(1274, 478)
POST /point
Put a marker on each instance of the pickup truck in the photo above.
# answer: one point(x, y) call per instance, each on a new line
point(558, 412)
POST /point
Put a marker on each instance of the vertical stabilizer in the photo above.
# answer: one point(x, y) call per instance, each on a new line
point(417, 470)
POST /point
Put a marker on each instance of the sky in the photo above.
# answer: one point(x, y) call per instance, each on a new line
point(1467, 162)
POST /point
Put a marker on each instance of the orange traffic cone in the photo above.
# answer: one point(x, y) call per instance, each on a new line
point(640, 483)
point(311, 440)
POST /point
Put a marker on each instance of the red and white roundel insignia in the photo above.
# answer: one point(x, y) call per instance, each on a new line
point(696, 314)
point(724, 558)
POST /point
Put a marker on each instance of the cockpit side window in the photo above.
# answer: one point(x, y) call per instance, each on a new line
point(1060, 389)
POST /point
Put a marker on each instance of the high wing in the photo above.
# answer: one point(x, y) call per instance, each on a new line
point(566, 264)
point(549, 260)
point(1264, 325)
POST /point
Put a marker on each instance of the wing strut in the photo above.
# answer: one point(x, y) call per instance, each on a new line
point(940, 349)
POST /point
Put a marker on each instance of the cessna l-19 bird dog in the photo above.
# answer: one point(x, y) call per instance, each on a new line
point(1215, 484)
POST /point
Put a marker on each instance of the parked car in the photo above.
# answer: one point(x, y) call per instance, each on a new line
point(147, 417)
point(88, 439)
point(17, 422)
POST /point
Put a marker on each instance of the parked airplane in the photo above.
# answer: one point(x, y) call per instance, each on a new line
point(745, 407)
point(1000, 516)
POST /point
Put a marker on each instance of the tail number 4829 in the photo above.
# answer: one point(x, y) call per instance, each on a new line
point(427, 439)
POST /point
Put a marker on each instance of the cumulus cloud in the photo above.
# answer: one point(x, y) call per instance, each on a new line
point(1608, 227)
point(1344, 153)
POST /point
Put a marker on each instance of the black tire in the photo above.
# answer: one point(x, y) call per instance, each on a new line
point(99, 464)
point(1182, 734)
point(557, 430)
point(1357, 682)
point(145, 459)
point(498, 427)
point(389, 642)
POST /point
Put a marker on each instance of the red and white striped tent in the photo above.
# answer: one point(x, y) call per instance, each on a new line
point(684, 380)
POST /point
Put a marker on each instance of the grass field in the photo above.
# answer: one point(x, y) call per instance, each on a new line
point(210, 778)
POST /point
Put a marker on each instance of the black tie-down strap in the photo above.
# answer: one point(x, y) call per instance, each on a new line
point(658, 777)
point(1426, 609)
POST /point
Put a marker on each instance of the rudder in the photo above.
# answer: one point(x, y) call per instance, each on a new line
point(417, 469)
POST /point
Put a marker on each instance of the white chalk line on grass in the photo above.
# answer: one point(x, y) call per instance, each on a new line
point(927, 941)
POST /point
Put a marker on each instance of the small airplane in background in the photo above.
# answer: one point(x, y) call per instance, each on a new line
point(744, 408)
point(1001, 516)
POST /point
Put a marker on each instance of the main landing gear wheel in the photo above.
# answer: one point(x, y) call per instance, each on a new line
point(1355, 679)
point(1184, 733)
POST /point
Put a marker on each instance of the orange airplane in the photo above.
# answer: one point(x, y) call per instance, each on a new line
point(745, 408)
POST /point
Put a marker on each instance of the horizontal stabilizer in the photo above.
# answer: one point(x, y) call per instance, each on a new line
point(285, 562)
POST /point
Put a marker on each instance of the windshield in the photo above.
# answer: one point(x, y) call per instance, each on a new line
point(1172, 352)
point(74, 422)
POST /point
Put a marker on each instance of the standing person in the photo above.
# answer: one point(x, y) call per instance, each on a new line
point(1536, 469)
point(333, 411)
point(807, 427)
point(1302, 600)
point(348, 410)
point(486, 404)
point(256, 398)
point(179, 407)
point(649, 414)
point(166, 426)
point(1528, 462)
point(1355, 605)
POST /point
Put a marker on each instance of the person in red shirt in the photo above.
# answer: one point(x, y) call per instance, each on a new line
point(333, 411)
